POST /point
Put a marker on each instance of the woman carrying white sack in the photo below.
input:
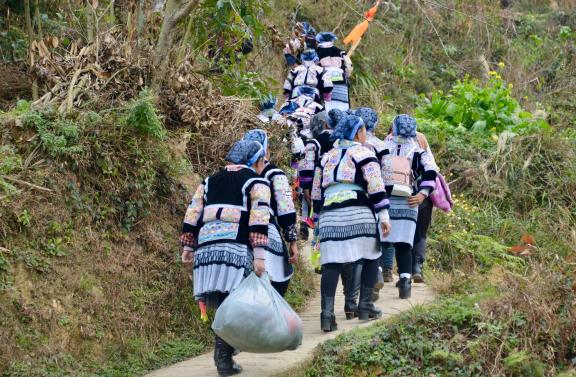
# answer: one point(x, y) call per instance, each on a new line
point(282, 226)
point(225, 233)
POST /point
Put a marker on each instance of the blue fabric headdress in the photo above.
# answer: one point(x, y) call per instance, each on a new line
point(404, 125)
point(268, 102)
point(245, 152)
point(259, 136)
point(335, 115)
point(288, 108)
point(326, 36)
point(307, 29)
point(369, 116)
point(309, 56)
point(348, 127)
point(308, 91)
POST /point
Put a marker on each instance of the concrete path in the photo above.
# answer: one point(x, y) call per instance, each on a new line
point(260, 365)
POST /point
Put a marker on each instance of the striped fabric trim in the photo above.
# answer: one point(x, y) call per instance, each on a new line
point(335, 233)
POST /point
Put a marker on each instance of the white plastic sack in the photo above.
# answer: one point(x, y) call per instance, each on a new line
point(255, 318)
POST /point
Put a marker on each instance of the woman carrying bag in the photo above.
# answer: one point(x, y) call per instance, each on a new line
point(409, 174)
point(282, 226)
point(225, 233)
point(350, 198)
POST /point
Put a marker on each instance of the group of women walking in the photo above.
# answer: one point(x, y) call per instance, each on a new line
point(364, 192)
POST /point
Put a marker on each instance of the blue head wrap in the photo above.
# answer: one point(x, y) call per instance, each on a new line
point(326, 36)
point(259, 136)
point(369, 116)
point(289, 108)
point(309, 56)
point(245, 152)
point(348, 127)
point(334, 116)
point(308, 29)
point(404, 125)
point(268, 102)
point(308, 91)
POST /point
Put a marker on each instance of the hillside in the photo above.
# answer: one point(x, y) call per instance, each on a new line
point(123, 109)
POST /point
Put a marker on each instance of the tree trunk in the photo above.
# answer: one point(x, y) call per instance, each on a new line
point(31, 39)
point(174, 11)
point(140, 19)
point(38, 19)
point(89, 22)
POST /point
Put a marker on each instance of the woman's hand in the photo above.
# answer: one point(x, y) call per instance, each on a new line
point(386, 228)
point(294, 252)
point(259, 266)
point(416, 200)
point(188, 258)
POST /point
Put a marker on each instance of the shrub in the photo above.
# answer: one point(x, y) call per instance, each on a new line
point(143, 117)
point(483, 109)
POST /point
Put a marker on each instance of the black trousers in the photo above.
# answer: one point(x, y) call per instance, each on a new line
point(331, 274)
point(422, 225)
point(403, 257)
point(281, 287)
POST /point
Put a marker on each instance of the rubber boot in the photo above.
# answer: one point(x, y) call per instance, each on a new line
point(304, 233)
point(417, 274)
point(366, 308)
point(225, 365)
point(353, 273)
point(379, 285)
point(404, 288)
point(327, 316)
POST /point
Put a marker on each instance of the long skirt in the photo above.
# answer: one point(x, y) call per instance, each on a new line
point(403, 221)
point(348, 235)
point(340, 98)
point(221, 267)
point(277, 264)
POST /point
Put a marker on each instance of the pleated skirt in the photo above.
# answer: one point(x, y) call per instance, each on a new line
point(277, 264)
point(221, 267)
point(340, 98)
point(403, 221)
point(347, 235)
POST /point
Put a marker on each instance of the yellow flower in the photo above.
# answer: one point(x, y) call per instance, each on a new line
point(493, 73)
point(501, 65)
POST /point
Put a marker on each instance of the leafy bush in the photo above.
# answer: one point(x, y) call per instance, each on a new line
point(482, 109)
point(59, 136)
point(143, 117)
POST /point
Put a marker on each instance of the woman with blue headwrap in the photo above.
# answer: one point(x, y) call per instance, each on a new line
point(282, 227)
point(409, 173)
point(225, 233)
point(268, 111)
point(338, 66)
point(351, 206)
point(308, 73)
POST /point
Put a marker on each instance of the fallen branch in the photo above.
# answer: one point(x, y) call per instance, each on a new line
point(28, 184)
point(5, 250)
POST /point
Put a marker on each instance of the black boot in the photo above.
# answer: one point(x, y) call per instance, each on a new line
point(417, 274)
point(366, 309)
point(304, 233)
point(223, 359)
point(327, 317)
point(353, 273)
point(405, 288)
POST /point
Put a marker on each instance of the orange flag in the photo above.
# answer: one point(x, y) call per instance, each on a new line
point(359, 30)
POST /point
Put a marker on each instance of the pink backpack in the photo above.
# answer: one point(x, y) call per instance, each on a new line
point(441, 196)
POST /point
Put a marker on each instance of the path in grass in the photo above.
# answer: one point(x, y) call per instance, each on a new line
point(260, 365)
